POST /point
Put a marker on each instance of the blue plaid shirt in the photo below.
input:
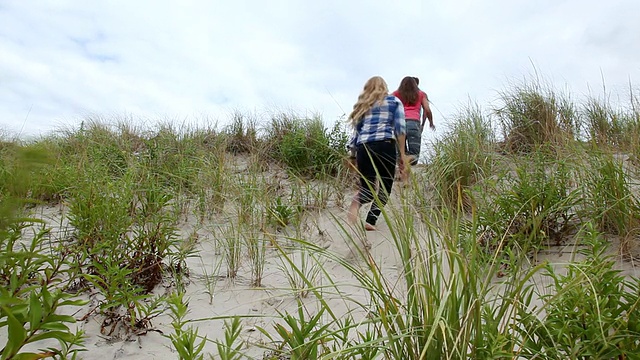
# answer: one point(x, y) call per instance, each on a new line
point(384, 121)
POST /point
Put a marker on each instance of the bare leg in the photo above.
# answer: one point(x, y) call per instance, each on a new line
point(352, 216)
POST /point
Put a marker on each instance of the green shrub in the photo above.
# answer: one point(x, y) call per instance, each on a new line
point(126, 240)
point(306, 147)
point(592, 311)
point(528, 208)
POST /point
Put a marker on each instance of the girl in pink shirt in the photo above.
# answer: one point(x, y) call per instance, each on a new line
point(414, 100)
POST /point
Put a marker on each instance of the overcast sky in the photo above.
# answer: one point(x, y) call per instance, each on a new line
point(64, 60)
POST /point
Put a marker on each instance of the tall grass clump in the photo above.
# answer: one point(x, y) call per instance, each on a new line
point(46, 176)
point(462, 157)
point(448, 306)
point(633, 111)
point(609, 200)
point(532, 115)
point(305, 146)
point(613, 127)
point(603, 124)
point(212, 180)
point(174, 157)
point(242, 134)
point(23, 168)
point(98, 142)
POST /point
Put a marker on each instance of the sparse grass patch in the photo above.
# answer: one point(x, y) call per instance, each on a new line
point(302, 270)
point(231, 242)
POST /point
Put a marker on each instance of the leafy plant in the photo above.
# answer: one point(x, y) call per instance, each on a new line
point(30, 274)
point(305, 146)
point(280, 214)
point(126, 239)
point(34, 319)
point(186, 341)
point(231, 348)
point(527, 208)
point(592, 311)
point(300, 337)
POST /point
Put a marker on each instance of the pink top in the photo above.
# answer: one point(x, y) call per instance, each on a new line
point(412, 111)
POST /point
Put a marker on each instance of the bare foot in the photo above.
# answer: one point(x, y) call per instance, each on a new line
point(369, 227)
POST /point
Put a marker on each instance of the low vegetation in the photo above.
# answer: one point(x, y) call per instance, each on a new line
point(533, 172)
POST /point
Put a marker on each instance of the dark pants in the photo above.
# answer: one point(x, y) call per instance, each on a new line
point(377, 165)
point(414, 139)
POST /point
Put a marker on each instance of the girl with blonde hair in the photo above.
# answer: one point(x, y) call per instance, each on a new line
point(378, 129)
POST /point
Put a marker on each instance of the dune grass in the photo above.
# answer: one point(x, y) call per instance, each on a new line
point(533, 172)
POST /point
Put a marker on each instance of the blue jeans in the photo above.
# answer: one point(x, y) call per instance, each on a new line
point(414, 139)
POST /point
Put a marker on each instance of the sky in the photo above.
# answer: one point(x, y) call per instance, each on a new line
point(197, 62)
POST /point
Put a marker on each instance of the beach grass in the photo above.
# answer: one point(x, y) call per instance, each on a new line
point(458, 270)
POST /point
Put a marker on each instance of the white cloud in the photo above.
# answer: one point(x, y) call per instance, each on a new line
point(62, 60)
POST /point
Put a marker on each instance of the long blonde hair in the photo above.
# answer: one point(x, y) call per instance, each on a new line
point(375, 90)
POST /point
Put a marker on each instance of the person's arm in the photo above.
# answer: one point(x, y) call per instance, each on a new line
point(400, 129)
point(351, 145)
point(402, 139)
point(426, 113)
point(351, 149)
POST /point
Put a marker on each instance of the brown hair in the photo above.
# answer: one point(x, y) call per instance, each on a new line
point(408, 91)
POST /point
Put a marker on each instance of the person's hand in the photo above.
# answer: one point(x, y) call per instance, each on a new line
point(403, 167)
point(432, 126)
